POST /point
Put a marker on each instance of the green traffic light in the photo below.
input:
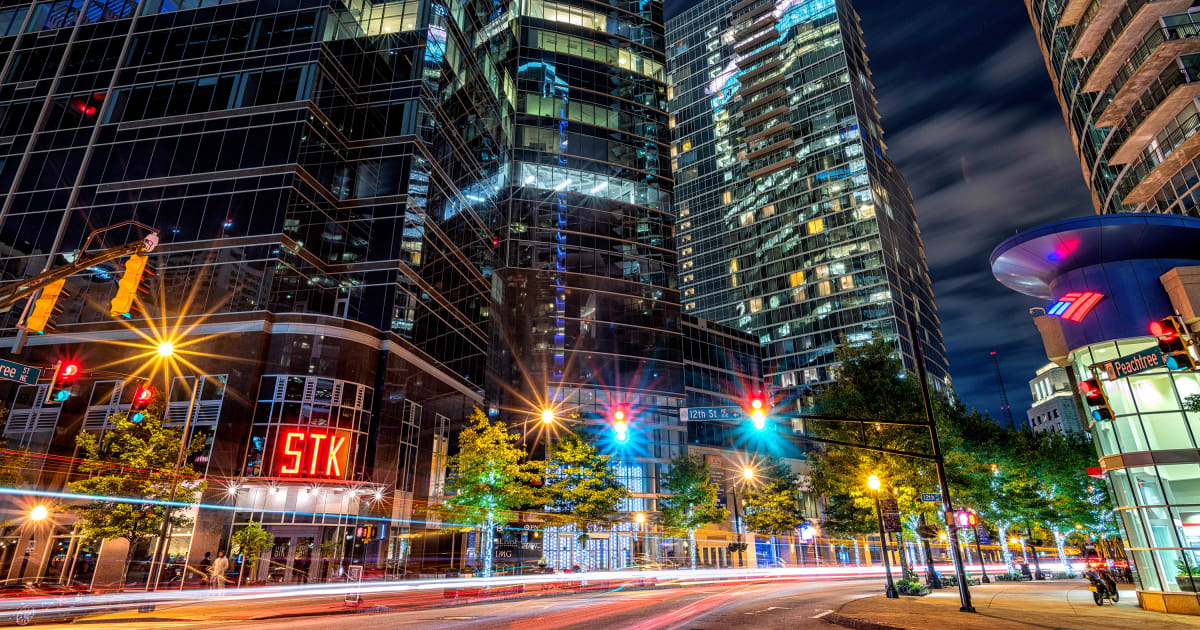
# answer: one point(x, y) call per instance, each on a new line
point(61, 395)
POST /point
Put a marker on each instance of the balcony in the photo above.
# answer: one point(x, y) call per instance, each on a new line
point(1092, 27)
point(1145, 177)
point(1072, 13)
point(1125, 34)
point(1151, 114)
point(1159, 48)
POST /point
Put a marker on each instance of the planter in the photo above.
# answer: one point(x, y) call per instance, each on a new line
point(1188, 584)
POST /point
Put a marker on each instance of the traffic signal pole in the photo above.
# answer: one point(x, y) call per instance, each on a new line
point(939, 460)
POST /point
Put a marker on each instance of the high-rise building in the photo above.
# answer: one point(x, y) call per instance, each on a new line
point(793, 223)
point(1126, 74)
point(1055, 407)
point(586, 319)
point(316, 174)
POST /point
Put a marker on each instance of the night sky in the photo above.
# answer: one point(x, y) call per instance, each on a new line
point(971, 120)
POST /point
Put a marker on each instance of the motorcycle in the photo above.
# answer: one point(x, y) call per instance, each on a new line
point(1103, 586)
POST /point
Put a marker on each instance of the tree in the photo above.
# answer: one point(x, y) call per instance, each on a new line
point(488, 479)
point(691, 498)
point(581, 485)
point(134, 460)
point(251, 541)
point(773, 506)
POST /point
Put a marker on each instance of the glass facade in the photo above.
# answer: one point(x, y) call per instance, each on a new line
point(1149, 452)
point(1126, 75)
point(586, 312)
point(794, 225)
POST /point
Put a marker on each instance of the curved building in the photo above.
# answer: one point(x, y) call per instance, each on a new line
point(1106, 279)
point(1127, 75)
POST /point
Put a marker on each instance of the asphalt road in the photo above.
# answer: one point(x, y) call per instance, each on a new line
point(769, 605)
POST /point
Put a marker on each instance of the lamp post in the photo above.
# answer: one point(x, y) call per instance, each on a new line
point(165, 350)
point(873, 484)
point(747, 475)
point(641, 521)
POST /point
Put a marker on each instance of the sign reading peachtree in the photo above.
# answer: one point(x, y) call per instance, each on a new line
point(1147, 359)
point(20, 373)
point(891, 515)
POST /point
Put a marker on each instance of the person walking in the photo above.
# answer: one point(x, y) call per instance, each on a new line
point(217, 572)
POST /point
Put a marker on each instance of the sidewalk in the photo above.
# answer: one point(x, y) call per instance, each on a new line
point(1054, 604)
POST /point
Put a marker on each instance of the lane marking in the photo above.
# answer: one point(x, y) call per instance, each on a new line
point(819, 615)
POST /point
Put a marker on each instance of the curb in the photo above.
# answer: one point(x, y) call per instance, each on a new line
point(856, 623)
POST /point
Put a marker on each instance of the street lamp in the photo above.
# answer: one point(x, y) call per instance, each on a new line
point(165, 349)
point(38, 513)
point(640, 518)
point(873, 484)
point(747, 475)
point(547, 416)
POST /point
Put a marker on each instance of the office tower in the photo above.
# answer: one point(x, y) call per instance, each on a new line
point(586, 313)
point(316, 174)
point(793, 223)
point(1125, 74)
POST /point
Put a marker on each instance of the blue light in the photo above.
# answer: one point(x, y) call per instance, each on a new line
point(1096, 415)
point(1058, 307)
point(61, 395)
point(137, 417)
point(1172, 363)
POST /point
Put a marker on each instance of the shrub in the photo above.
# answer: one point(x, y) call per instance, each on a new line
point(911, 587)
point(1010, 576)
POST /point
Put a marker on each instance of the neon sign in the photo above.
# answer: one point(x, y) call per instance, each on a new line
point(312, 454)
point(1075, 305)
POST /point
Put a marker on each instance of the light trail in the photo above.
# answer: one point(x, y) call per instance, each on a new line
point(81, 605)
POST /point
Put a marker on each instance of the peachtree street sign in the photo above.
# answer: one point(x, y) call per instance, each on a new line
point(1147, 359)
point(23, 374)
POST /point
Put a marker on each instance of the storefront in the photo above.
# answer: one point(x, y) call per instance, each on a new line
point(1106, 279)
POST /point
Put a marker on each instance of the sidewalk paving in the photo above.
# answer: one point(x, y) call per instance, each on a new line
point(1057, 604)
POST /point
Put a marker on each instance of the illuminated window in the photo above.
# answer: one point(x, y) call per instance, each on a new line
point(727, 197)
point(797, 278)
point(687, 145)
point(755, 305)
point(846, 282)
point(823, 272)
point(825, 288)
point(816, 226)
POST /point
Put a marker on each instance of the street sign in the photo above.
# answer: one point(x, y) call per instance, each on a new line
point(711, 413)
point(931, 497)
point(981, 531)
point(891, 515)
point(1148, 359)
point(18, 372)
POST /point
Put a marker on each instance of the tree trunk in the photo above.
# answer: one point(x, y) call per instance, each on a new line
point(692, 547)
point(1062, 554)
point(902, 552)
point(489, 534)
point(1002, 530)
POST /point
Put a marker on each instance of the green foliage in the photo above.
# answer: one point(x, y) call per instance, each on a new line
point(691, 501)
point(911, 587)
point(774, 506)
point(581, 484)
point(1192, 402)
point(133, 460)
point(1183, 570)
point(252, 540)
point(489, 477)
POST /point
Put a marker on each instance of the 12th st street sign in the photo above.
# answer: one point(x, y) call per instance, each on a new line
point(711, 413)
point(23, 374)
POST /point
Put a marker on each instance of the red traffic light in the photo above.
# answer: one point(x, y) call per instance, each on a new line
point(143, 395)
point(1091, 390)
point(1163, 330)
point(69, 370)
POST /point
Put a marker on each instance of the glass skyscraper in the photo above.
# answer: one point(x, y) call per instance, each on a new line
point(1127, 75)
point(793, 223)
point(586, 316)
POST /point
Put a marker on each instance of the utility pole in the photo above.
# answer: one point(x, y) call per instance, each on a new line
point(1005, 408)
point(939, 460)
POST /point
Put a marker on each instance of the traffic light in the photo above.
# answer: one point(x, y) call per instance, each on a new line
point(1094, 395)
point(43, 308)
point(619, 425)
point(1173, 342)
point(62, 382)
point(127, 286)
point(758, 412)
point(141, 399)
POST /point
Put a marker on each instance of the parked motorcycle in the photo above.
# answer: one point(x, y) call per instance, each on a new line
point(1103, 586)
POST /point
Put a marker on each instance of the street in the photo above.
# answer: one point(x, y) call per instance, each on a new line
point(763, 604)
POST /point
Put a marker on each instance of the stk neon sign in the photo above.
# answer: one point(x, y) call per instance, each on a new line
point(1075, 305)
point(313, 454)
